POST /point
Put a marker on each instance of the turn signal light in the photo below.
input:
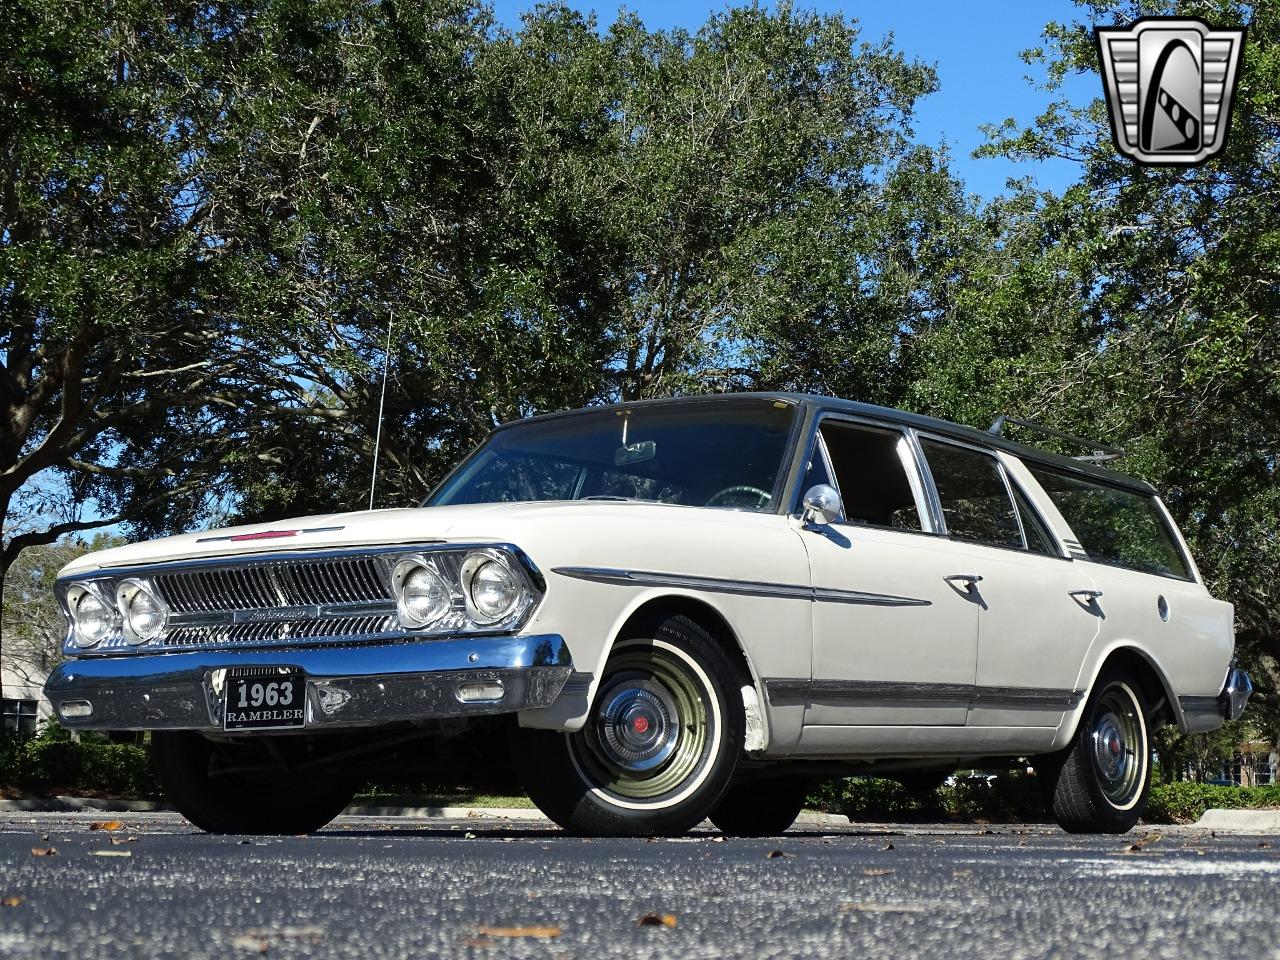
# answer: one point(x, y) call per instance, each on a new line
point(474, 691)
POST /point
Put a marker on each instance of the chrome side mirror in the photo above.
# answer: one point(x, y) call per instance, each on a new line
point(821, 504)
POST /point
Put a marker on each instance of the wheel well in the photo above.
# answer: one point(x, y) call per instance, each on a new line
point(1153, 686)
point(653, 612)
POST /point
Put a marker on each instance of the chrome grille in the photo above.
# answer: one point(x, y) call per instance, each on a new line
point(238, 634)
point(277, 584)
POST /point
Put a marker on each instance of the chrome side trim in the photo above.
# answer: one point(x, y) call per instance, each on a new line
point(346, 686)
point(749, 588)
point(795, 692)
point(1027, 698)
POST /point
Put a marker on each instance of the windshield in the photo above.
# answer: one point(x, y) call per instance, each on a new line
point(711, 454)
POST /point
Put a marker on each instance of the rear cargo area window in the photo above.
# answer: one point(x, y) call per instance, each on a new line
point(1116, 526)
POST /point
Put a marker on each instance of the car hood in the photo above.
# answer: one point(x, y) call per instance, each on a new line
point(481, 522)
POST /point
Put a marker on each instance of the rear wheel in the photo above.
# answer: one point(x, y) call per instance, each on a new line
point(659, 747)
point(1099, 784)
point(763, 808)
point(240, 787)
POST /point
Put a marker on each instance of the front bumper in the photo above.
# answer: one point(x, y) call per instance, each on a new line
point(1209, 713)
point(347, 686)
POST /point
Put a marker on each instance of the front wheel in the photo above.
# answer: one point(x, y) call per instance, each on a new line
point(241, 786)
point(763, 808)
point(1099, 784)
point(659, 747)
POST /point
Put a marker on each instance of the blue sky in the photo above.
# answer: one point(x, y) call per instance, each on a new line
point(974, 46)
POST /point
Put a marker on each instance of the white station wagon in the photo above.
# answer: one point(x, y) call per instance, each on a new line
point(673, 610)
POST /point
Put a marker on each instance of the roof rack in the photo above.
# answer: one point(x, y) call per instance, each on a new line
point(1101, 452)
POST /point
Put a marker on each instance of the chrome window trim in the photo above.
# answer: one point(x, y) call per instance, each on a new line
point(1063, 552)
point(939, 519)
point(1009, 486)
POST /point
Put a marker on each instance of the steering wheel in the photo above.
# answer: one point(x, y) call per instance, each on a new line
point(762, 496)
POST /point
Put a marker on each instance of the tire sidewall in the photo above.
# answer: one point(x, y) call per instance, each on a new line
point(716, 713)
point(558, 783)
point(1132, 810)
point(1074, 781)
point(180, 761)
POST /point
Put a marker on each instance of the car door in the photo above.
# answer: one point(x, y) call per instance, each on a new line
point(1037, 616)
point(894, 642)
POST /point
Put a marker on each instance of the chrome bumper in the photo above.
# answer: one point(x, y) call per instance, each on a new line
point(347, 686)
point(1209, 713)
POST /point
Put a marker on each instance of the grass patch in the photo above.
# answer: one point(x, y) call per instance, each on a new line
point(1186, 802)
point(53, 763)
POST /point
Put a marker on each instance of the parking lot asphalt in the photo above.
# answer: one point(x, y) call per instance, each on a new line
point(152, 886)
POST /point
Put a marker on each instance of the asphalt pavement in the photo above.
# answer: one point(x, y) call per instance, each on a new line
point(152, 886)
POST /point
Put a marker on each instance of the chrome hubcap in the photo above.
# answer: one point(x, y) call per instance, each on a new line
point(651, 733)
point(1118, 745)
point(1110, 747)
point(637, 725)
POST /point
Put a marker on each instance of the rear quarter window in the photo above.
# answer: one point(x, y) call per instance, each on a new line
point(1116, 526)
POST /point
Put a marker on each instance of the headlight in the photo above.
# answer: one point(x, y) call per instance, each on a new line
point(145, 614)
point(422, 596)
point(91, 618)
point(490, 587)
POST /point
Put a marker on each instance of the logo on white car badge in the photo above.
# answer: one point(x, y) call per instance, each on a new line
point(1169, 83)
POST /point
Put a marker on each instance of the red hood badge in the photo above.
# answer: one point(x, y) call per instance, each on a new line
point(268, 534)
point(264, 535)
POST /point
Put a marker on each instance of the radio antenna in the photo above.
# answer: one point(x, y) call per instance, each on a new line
point(382, 402)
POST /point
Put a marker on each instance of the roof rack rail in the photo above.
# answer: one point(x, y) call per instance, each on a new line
point(1101, 452)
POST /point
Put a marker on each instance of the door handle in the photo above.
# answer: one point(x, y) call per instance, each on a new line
point(966, 584)
point(1088, 596)
point(1089, 600)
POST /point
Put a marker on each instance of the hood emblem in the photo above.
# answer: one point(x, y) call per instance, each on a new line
point(267, 534)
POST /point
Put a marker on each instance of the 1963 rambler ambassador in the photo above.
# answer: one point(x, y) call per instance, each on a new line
point(673, 610)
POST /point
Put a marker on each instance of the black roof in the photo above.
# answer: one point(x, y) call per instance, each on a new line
point(814, 402)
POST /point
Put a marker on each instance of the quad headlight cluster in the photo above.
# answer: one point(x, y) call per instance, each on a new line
point(492, 590)
point(136, 610)
point(379, 593)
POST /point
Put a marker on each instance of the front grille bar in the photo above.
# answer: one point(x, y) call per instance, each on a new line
point(301, 583)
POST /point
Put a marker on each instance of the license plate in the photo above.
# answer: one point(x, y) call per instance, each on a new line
point(264, 699)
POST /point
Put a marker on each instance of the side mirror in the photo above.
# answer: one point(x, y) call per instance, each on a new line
point(821, 505)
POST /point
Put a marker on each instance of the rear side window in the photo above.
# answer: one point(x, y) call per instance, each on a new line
point(975, 500)
point(1114, 525)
